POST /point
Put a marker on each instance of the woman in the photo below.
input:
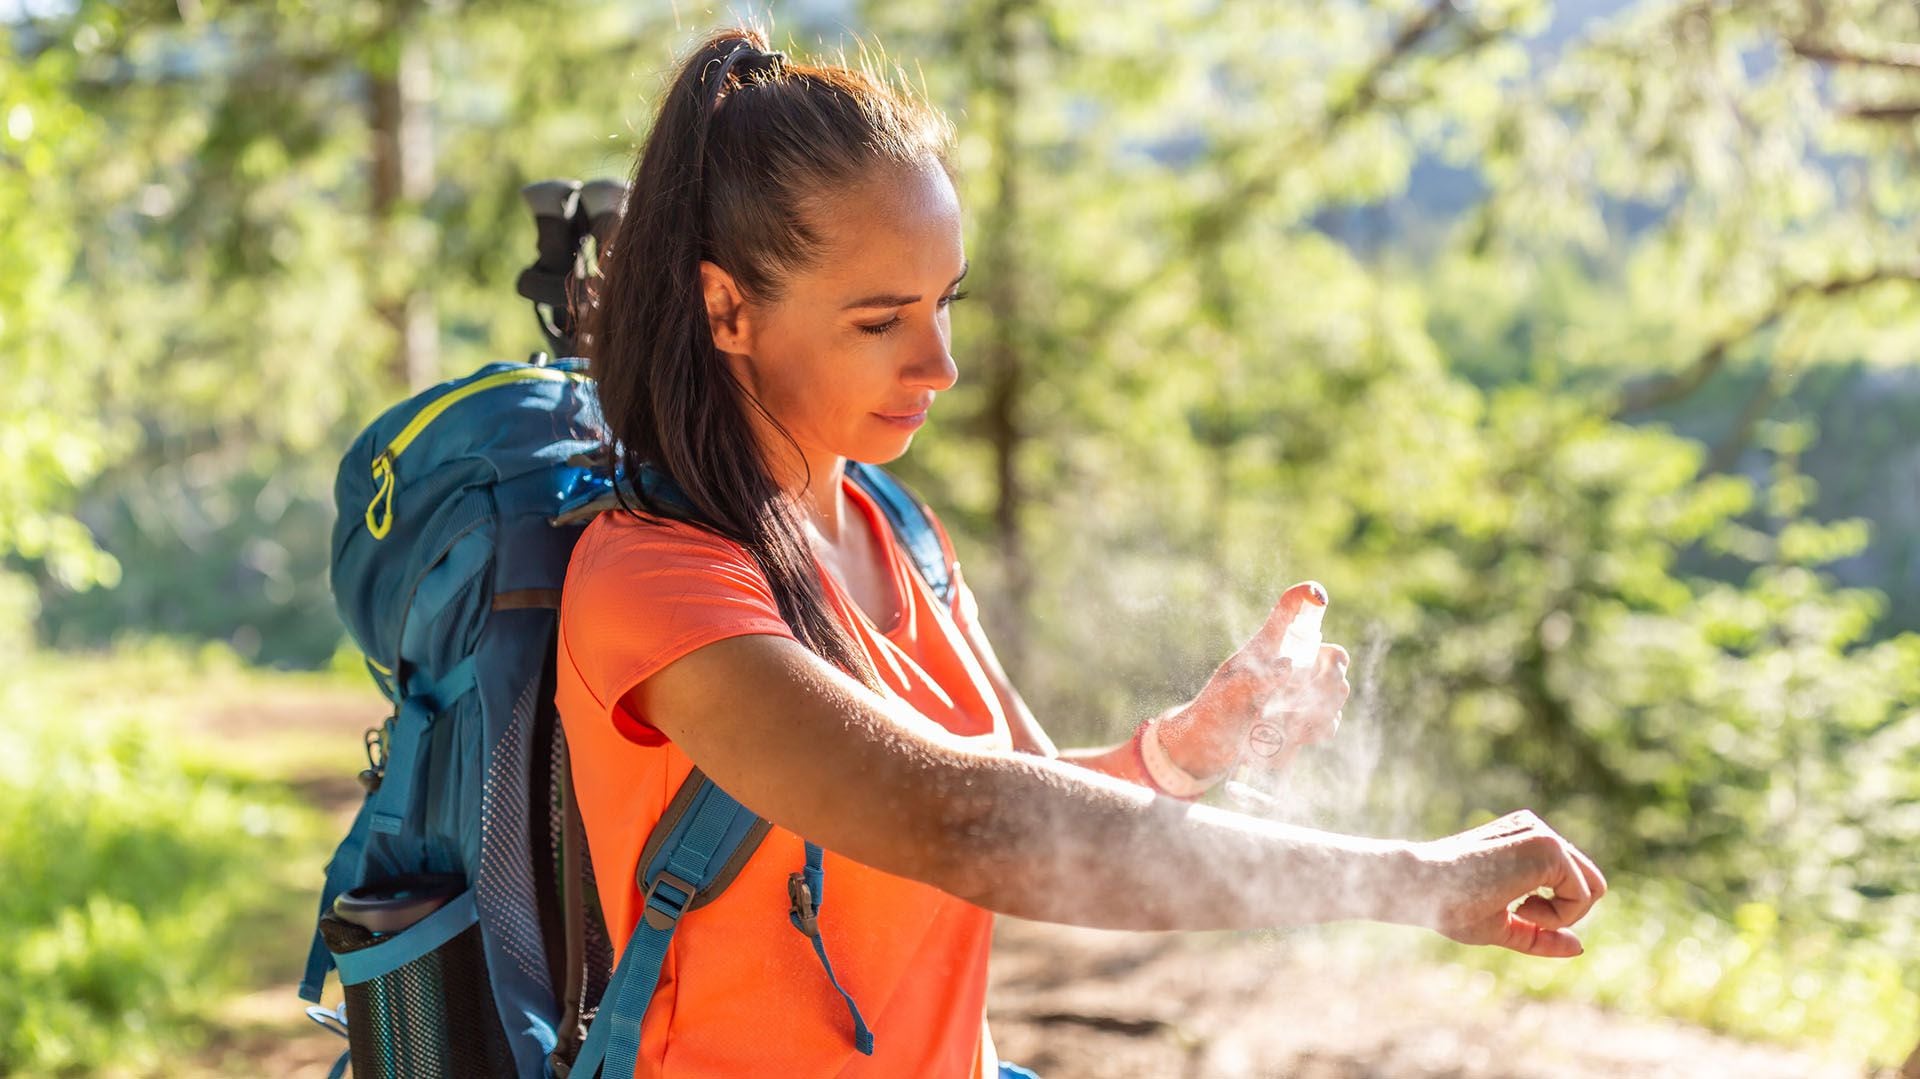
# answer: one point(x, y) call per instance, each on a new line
point(776, 304)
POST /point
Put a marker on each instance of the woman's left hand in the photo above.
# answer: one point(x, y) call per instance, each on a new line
point(1256, 695)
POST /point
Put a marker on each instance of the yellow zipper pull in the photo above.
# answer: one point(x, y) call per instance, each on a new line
point(380, 510)
point(382, 503)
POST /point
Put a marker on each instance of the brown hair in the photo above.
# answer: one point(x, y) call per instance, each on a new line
point(745, 141)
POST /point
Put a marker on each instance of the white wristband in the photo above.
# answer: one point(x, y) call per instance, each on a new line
point(1172, 779)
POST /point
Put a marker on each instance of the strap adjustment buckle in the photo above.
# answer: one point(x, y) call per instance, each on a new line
point(806, 917)
point(662, 911)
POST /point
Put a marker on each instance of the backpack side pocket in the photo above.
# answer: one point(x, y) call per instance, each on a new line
point(418, 999)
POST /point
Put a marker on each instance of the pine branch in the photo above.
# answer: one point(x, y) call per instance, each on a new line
point(1229, 211)
point(1367, 90)
point(1900, 56)
point(1667, 389)
point(1897, 56)
point(1884, 114)
point(1238, 205)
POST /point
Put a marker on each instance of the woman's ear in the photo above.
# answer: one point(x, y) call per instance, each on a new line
point(726, 310)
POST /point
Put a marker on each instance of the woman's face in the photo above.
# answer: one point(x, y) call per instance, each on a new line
point(851, 356)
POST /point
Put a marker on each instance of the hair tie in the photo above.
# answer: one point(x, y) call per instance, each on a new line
point(749, 61)
point(745, 62)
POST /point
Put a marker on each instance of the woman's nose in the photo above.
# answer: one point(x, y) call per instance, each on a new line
point(933, 366)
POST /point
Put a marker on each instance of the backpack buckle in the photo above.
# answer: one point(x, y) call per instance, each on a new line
point(806, 917)
point(375, 739)
point(662, 911)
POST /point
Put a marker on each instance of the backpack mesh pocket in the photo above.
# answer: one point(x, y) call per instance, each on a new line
point(431, 1016)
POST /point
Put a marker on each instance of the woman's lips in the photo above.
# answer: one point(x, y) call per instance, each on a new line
point(905, 420)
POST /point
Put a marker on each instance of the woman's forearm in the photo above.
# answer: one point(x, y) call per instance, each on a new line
point(812, 750)
point(1055, 843)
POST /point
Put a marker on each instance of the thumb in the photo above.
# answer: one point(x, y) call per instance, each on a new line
point(1275, 629)
point(1528, 937)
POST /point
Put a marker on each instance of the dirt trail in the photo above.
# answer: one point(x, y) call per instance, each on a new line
point(1083, 1004)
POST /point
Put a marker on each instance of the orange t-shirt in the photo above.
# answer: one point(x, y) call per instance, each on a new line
point(741, 992)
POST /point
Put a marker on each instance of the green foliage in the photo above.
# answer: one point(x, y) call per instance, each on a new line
point(51, 446)
point(136, 870)
point(1603, 461)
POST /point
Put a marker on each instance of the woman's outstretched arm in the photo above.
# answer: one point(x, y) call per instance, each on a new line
point(816, 752)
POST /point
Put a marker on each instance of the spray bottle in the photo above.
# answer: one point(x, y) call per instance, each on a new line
point(1267, 748)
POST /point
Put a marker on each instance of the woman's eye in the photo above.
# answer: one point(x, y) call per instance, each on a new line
point(880, 328)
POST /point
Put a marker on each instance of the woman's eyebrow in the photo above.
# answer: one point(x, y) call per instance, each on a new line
point(890, 299)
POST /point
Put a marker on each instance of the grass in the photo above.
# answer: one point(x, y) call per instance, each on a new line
point(158, 864)
point(1653, 951)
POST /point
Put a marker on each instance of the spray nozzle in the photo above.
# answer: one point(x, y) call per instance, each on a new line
point(1301, 646)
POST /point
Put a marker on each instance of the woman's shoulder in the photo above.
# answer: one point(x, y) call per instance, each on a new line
point(632, 573)
point(642, 592)
point(617, 540)
point(624, 557)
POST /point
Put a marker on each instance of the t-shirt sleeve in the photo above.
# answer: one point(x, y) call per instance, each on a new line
point(640, 595)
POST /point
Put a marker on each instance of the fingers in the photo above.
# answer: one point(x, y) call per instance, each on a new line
point(1559, 871)
point(1320, 721)
point(1330, 680)
point(1596, 883)
point(1529, 938)
point(1332, 662)
point(1531, 859)
point(1274, 630)
point(1567, 881)
point(1572, 902)
point(1547, 859)
point(1316, 717)
point(1540, 910)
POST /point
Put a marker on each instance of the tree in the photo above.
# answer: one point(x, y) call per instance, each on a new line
point(52, 443)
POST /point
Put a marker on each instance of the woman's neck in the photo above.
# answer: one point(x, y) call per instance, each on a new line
point(810, 478)
point(815, 489)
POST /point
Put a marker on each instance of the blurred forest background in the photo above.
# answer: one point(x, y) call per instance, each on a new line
point(1572, 343)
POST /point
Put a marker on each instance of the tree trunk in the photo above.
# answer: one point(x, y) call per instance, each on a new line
point(400, 93)
point(1005, 368)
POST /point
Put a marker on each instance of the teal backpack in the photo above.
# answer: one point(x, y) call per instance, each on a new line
point(460, 910)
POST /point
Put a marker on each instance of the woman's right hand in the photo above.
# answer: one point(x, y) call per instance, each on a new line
point(1472, 880)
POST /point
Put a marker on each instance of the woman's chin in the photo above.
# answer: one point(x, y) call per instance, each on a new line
point(881, 451)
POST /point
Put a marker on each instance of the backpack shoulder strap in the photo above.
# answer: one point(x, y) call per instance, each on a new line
point(595, 499)
point(701, 842)
point(912, 523)
point(699, 846)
